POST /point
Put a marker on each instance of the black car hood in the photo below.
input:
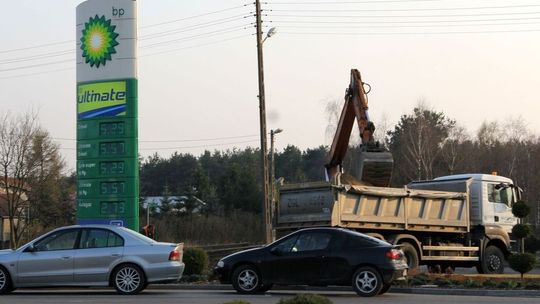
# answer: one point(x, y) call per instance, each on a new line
point(244, 253)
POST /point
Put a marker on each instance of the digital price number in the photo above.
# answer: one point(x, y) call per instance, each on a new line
point(112, 208)
point(112, 167)
point(112, 148)
point(112, 128)
point(112, 188)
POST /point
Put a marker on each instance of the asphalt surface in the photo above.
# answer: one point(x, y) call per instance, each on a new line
point(174, 295)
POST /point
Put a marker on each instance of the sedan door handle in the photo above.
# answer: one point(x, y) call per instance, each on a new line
point(66, 257)
point(115, 254)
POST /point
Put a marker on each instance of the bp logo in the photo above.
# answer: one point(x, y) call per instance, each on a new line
point(98, 41)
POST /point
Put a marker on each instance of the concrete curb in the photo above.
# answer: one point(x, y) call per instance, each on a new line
point(427, 291)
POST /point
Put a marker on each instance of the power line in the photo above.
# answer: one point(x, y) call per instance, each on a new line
point(195, 46)
point(405, 9)
point(194, 27)
point(401, 26)
point(36, 57)
point(349, 2)
point(207, 34)
point(410, 33)
point(195, 16)
point(37, 73)
point(401, 22)
point(404, 16)
point(35, 65)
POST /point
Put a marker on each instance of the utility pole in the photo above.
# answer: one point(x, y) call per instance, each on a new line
point(262, 118)
point(273, 178)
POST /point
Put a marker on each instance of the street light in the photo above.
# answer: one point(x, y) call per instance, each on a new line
point(262, 118)
point(273, 175)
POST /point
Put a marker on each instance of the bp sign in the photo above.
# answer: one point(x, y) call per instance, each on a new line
point(107, 167)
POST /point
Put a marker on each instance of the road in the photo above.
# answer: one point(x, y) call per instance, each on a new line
point(168, 296)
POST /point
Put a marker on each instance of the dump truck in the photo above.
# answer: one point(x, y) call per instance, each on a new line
point(452, 221)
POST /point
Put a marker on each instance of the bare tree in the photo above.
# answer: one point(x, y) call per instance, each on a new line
point(16, 165)
point(452, 151)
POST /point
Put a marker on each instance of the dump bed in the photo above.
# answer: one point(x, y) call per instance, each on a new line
point(371, 208)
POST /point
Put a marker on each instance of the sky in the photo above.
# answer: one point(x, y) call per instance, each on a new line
point(475, 60)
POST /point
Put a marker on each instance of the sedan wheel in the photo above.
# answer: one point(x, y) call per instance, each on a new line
point(246, 279)
point(129, 279)
point(5, 281)
point(367, 282)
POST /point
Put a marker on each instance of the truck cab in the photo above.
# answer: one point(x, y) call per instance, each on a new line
point(491, 198)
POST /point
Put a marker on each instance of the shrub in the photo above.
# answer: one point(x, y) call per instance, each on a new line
point(420, 279)
point(521, 231)
point(306, 299)
point(192, 278)
point(489, 284)
point(522, 262)
point(237, 302)
point(532, 285)
point(196, 261)
point(507, 285)
point(442, 282)
point(471, 283)
point(520, 209)
point(532, 244)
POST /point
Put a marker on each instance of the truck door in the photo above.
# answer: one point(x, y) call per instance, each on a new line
point(500, 198)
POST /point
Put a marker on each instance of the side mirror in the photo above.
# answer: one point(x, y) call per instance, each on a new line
point(276, 251)
point(31, 248)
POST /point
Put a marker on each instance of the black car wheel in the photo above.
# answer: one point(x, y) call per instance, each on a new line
point(385, 288)
point(492, 261)
point(246, 279)
point(5, 281)
point(367, 282)
point(129, 279)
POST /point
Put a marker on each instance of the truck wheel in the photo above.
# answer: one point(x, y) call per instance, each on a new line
point(246, 280)
point(367, 282)
point(492, 261)
point(411, 256)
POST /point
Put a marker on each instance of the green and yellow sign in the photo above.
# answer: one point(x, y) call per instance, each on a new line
point(102, 99)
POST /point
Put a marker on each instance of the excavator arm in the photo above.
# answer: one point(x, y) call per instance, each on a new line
point(375, 162)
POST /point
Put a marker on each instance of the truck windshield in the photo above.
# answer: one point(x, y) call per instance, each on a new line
point(501, 195)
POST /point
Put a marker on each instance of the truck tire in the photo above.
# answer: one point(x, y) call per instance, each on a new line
point(492, 261)
point(411, 256)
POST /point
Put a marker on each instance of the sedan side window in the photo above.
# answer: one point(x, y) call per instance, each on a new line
point(62, 240)
point(100, 238)
point(312, 241)
point(286, 245)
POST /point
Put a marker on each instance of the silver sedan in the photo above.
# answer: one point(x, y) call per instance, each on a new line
point(91, 255)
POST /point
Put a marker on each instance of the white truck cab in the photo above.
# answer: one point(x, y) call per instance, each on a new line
point(491, 198)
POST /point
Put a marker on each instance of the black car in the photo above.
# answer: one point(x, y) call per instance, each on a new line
point(318, 257)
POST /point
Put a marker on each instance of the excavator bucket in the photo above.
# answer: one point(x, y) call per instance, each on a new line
point(376, 168)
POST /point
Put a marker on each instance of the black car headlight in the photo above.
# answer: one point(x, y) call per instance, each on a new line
point(220, 264)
